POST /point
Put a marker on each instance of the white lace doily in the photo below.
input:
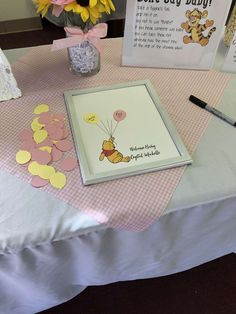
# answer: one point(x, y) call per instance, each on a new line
point(8, 85)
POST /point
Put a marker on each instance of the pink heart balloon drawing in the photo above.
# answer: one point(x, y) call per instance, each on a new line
point(119, 115)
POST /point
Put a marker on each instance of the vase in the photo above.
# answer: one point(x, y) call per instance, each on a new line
point(84, 59)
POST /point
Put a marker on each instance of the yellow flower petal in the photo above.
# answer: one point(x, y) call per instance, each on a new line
point(45, 10)
point(94, 12)
point(78, 9)
point(106, 5)
point(93, 19)
point(101, 8)
point(70, 7)
point(111, 5)
point(42, 6)
point(92, 3)
point(85, 15)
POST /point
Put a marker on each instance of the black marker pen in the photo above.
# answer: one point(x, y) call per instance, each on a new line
point(219, 114)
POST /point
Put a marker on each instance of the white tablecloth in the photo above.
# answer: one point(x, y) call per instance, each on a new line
point(49, 251)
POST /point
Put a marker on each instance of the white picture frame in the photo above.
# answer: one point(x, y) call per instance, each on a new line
point(130, 117)
point(163, 33)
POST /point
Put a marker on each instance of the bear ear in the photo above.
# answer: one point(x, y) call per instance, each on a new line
point(104, 142)
point(204, 14)
point(187, 13)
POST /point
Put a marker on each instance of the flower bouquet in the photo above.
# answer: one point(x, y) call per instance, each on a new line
point(83, 32)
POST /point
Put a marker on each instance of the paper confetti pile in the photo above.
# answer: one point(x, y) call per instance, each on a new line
point(45, 143)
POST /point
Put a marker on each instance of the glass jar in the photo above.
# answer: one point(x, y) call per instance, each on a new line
point(84, 59)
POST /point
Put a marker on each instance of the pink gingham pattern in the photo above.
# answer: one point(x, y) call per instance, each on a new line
point(131, 203)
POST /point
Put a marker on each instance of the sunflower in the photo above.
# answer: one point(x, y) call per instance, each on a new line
point(90, 9)
point(42, 6)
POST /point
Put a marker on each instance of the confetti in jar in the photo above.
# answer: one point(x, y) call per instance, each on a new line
point(84, 59)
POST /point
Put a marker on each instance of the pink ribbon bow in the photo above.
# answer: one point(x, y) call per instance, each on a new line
point(77, 36)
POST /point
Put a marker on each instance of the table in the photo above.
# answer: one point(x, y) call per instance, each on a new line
point(50, 252)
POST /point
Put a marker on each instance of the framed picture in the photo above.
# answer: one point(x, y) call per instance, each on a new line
point(182, 34)
point(122, 130)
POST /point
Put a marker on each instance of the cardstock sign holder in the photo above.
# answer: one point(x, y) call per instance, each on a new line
point(122, 130)
point(8, 84)
point(181, 34)
point(230, 59)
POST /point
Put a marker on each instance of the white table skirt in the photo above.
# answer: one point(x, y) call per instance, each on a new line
point(46, 274)
point(49, 251)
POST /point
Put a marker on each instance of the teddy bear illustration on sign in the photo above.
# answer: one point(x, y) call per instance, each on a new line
point(109, 151)
point(195, 29)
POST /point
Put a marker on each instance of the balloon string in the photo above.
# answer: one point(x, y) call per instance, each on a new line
point(115, 128)
point(111, 127)
point(101, 128)
point(107, 131)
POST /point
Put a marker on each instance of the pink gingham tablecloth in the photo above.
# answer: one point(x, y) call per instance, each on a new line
point(131, 203)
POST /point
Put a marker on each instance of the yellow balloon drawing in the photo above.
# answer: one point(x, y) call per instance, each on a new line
point(91, 118)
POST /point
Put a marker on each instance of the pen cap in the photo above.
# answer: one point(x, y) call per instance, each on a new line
point(197, 101)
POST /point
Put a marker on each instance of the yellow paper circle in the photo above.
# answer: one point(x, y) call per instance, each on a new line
point(45, 172)
point(34, 168)
point(40, 136)
point(41, 108)
point(58, 180)
point(46, 148)
point(22, 157)
point(35, 125)
point(91, 118)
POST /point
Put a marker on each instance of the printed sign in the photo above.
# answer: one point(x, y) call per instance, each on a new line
point(230, 60)
point(173, 33)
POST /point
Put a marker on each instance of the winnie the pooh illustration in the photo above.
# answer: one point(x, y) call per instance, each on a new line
point(109, 151)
